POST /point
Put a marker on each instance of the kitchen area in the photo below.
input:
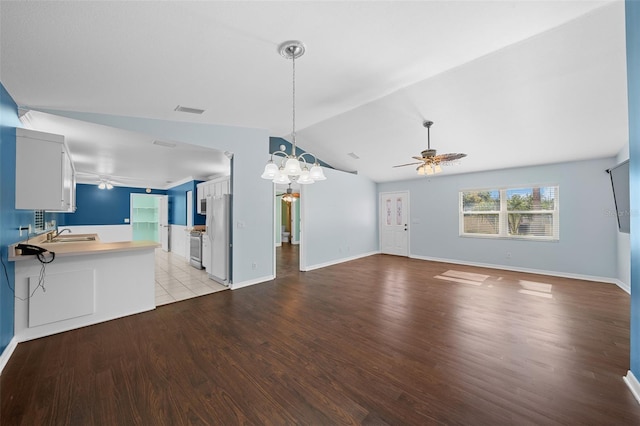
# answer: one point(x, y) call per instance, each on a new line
point(208, 267)
point(107, 262)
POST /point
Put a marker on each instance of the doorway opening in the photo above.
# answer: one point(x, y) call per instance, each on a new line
point(287, 229)
point(150, 218)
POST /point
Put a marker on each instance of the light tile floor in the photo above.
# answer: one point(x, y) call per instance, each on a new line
point(177, 280)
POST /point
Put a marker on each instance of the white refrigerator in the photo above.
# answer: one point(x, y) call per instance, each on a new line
point(218, 235)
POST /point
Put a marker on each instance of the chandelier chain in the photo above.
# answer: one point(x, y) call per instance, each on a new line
point(293, 135)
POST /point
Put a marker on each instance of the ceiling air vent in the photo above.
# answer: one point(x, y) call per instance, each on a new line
point(353, 155)
point(189, 110)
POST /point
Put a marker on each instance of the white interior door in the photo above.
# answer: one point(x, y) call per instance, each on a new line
point(394, 223)
point(163, 222)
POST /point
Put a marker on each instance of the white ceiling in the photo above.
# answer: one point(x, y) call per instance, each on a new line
point(510, 83)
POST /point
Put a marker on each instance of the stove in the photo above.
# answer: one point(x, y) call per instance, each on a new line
point(195, 249)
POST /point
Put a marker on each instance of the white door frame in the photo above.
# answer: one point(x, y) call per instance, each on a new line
point(163, 223)
point(381, 215)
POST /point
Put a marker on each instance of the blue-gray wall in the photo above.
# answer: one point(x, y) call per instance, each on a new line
point(632, 17)
point(339, 219)
point(587, 245)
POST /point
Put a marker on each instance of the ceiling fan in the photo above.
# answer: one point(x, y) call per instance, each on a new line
point(289, 195)
point(431, 163)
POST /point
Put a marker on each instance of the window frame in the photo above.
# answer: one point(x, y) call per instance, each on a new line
point(503, 214)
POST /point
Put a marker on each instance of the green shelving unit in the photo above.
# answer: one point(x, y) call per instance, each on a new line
point(145, 217)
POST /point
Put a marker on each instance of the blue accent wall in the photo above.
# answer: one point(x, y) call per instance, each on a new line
point(632, 17)
point(111, 206)
point(97, 206)
point(10, 218)
point(178, 204)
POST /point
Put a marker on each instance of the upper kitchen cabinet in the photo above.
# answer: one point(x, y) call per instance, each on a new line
point(45, 176)
point(211, 189)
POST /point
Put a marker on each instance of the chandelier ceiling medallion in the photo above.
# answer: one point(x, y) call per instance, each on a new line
point(292, 167)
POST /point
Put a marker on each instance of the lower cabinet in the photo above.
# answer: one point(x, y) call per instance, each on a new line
point(206, 252)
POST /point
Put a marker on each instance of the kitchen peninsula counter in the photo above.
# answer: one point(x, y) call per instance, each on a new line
point(80, 248)
point(87, 282)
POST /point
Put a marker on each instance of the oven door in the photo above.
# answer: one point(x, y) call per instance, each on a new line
point(195, 250)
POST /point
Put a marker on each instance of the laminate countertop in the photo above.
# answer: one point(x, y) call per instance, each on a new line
point(66, 247)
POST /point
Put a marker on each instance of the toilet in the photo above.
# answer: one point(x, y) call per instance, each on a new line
point(285, 236)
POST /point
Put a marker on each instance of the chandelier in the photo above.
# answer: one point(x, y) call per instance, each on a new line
point(287, 168)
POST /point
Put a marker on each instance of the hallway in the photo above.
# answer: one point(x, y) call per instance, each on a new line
point(287, 260)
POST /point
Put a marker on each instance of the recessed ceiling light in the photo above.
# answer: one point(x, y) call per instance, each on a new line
point(353, 155)
point(189, 110)
point(165, 144)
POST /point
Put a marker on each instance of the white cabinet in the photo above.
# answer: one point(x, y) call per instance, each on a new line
point(212, 188)
point(206, 252)
point(45, 177)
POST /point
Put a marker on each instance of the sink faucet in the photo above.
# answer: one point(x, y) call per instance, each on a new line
point(54, 234)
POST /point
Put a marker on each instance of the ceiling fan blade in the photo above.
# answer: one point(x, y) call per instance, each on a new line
point(449, 157)
point(408, 164)
point(418, 158)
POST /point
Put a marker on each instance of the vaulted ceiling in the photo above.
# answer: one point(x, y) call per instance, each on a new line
point(510, 83)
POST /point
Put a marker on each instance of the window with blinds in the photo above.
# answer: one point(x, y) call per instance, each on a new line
point(524, 213)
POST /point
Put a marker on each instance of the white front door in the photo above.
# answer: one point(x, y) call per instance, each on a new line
point(394, 223)
point(163, 222)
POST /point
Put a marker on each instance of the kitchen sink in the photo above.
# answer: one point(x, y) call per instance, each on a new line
point(71, 239)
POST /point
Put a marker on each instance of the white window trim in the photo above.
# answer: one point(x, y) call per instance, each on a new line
point(503, 218)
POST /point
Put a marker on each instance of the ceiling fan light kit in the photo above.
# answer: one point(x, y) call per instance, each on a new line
point(105, 184)
point(290, 196)
point(430, 163)
point(292, 167)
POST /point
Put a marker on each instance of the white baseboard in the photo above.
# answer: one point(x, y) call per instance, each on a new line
point(607, 280)
point(235, 286)
point(633, 384)
point(8, 351)
point(626, 287)
point(337, 261)
point(36, 333)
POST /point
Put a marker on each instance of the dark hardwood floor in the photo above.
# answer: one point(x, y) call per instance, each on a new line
point(382, 341)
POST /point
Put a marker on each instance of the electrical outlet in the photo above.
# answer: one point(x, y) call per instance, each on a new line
point(254, 265)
